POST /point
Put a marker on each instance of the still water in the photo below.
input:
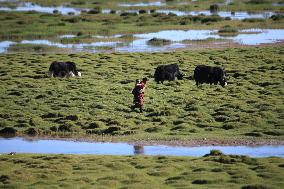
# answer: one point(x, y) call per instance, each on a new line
point(21, 145)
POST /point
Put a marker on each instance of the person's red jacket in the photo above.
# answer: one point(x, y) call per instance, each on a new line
point(141, 95)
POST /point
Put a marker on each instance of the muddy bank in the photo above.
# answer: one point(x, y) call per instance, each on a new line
point(144, 141)
point(211, 142)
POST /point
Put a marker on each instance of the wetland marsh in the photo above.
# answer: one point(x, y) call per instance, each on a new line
point(115, 42)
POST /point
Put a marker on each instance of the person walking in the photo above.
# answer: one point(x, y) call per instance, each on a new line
point(138, 94)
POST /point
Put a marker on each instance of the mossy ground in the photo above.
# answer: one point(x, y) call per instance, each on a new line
point(99, 102)
point(88, 171)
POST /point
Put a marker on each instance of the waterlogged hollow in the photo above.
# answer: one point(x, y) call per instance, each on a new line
point(21, 145)
point(179, 39)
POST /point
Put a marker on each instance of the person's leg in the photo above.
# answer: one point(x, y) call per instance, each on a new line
point(141, 108)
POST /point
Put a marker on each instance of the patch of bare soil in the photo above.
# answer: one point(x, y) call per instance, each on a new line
point(210, 142)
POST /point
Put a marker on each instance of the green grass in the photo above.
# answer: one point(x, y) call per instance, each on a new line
point(89, 171)
point(158, 42)
point(250, 106)
point(228, 29)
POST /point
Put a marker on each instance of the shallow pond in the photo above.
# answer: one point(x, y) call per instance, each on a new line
point(21, 145)
point(179, 39)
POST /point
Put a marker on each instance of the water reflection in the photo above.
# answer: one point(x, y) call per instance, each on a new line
point(138, 149)
point(20, 145)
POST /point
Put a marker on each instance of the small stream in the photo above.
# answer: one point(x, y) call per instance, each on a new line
point(21, 145)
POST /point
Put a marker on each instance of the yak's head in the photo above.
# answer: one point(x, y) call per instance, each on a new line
point(76, 73)
point(180, 76)
point(223, 81)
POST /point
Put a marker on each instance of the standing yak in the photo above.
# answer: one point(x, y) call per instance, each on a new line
point(63, 69)
point(209, 74)
point(167, 72)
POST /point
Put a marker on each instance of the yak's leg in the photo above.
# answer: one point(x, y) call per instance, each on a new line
point(50, 74)
point(70, 74)
point(197, 83)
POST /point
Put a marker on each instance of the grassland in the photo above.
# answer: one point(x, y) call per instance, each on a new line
point(88, 171)
point(99, 102)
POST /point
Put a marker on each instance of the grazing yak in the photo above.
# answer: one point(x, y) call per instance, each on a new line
point(63, 69)
point(167, 72)
point(209, 74)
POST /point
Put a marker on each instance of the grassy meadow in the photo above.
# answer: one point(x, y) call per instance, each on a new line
point(251, 106)
point(88, 171)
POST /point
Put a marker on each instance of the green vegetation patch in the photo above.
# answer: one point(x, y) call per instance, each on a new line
point(89, 171)
point(158, 42)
